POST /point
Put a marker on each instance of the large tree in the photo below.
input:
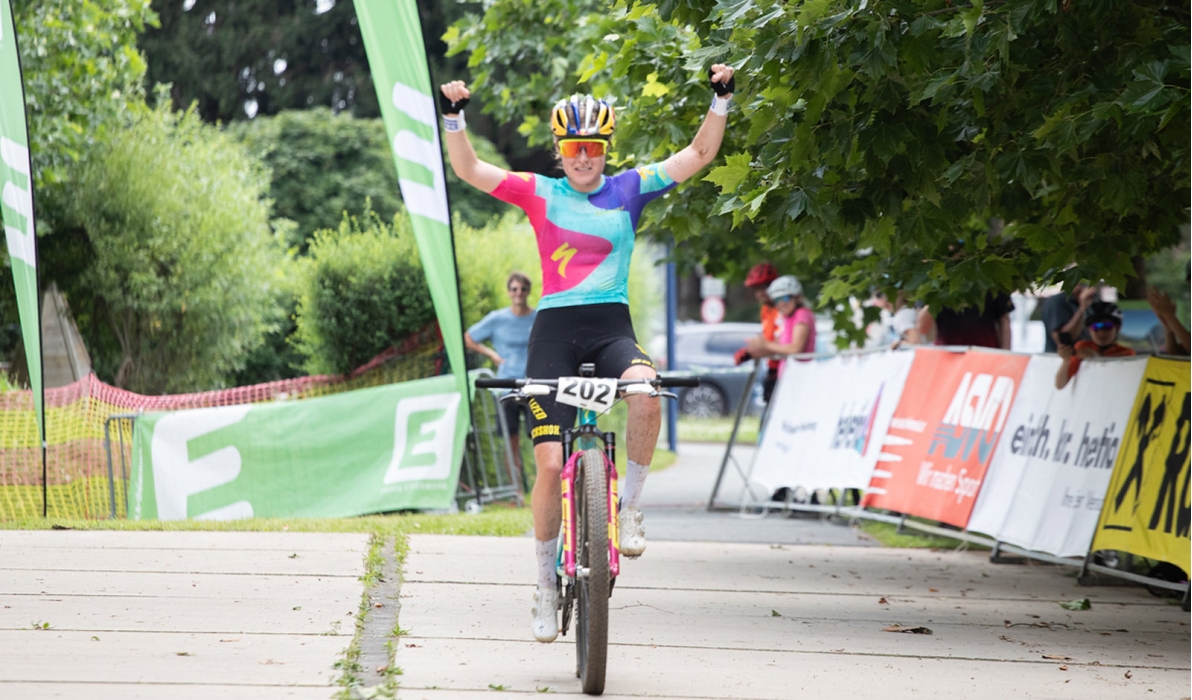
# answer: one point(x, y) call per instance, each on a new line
point(323, 164)
point(943, 148)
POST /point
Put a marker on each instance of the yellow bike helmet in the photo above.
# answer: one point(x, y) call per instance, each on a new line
point(583, 116)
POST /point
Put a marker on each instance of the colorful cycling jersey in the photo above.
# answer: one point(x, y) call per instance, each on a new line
point(585, 240)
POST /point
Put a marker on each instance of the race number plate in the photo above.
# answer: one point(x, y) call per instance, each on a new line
point(587, 392)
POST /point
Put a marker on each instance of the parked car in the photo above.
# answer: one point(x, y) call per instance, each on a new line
point(1141, 328)
point(706, 350)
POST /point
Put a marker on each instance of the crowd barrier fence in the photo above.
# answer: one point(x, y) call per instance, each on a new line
point(980, 443)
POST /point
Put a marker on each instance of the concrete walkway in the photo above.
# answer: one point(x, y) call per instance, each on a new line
point(176, 615)
point(729, 607)
point(698, 621)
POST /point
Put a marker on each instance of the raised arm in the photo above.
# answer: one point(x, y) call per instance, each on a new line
point(453, 97)
point(706, 144)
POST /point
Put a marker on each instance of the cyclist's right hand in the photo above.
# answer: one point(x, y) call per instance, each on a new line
point(453, 97)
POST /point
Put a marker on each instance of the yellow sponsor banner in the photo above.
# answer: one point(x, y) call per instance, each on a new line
point(1146, 510)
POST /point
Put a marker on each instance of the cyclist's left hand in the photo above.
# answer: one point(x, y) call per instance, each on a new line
point(723, 82)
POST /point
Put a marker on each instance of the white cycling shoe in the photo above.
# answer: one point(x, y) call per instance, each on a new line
point(633, 533)
point(546, 619)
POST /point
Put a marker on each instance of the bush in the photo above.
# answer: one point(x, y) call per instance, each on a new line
point(361, 290)
point(178, 257)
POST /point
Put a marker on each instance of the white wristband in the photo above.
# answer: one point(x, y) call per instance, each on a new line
point(719, 105)
point(454, 123)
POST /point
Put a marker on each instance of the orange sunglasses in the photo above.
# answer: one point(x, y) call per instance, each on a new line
point(570, 148)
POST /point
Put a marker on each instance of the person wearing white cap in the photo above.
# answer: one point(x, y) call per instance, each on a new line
point(798, 322)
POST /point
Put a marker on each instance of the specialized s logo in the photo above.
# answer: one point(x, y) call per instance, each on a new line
point(564, 252)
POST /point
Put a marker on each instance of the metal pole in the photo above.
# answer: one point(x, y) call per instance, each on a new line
point(107, 446)
point(732, 438)
point(672, 309)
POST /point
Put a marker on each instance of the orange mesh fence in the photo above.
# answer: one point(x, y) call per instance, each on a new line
point(77, 483)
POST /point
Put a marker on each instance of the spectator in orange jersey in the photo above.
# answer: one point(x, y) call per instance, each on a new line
point(1103, 321)
point(758, 279)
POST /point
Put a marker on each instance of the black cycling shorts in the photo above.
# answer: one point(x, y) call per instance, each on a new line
point(566, 337)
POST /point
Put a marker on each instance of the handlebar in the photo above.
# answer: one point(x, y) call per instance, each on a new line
point(659, 382)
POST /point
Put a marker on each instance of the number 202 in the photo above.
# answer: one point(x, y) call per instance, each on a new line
point(587, 390)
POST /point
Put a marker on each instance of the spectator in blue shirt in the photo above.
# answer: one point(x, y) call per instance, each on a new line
point(508, 330)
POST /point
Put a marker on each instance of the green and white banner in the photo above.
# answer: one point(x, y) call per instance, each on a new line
point(373, 450)
point(16, 202)
point(397, 59)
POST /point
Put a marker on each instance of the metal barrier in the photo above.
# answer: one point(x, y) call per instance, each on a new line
point(836, 511)
point(490, 471)
point(124, 426)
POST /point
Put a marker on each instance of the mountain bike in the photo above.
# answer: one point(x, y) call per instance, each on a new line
point(589, 556)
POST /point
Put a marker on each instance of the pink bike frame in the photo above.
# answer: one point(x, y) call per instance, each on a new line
point(569, 511)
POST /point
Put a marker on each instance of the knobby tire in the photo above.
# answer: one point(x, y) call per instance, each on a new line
point(591, 639)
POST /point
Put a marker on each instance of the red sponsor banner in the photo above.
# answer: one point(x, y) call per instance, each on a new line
point(944, 432)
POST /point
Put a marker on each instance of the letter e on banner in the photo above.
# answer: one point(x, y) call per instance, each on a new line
point(176, 477)
point(424, 434)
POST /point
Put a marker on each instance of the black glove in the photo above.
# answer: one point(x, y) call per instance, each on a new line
point(446, 106)
point(723, 89)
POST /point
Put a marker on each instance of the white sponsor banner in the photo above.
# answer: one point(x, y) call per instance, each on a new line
point(1049, 475)
point(828, 421)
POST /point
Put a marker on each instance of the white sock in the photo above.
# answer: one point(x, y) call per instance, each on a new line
point(635, 480)
point(547, 553)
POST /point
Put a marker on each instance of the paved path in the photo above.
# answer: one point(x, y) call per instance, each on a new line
point(698, 620)
point(175, 615)
point(675, 502)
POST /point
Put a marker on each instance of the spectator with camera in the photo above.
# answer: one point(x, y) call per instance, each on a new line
point(1103, 321)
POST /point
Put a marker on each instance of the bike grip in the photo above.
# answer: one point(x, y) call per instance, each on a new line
point(679, 381)
point(497, 383)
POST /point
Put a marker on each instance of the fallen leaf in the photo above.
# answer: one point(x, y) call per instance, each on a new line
point(918, 629)
point(933, 590)
point(1057, 657)
point(1129, 675)
point(775, 613)
point(94, 638)
point(883, 601)
point(230, 639)
point(1078, 604)
point(378, 605)
point(1064, 667)
point(182, 653)
point(382, 669)
point(411, 645)
point(294, 556)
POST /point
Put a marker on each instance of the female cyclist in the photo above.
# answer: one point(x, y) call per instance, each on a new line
point(585, 225)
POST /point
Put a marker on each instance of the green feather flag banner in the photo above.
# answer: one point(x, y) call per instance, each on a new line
point(16, 209)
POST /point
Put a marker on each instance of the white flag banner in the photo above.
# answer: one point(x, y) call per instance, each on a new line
point(828, 421)
point(1049, 475)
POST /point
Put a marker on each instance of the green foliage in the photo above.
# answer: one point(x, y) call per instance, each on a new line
point(182, 266)
point(486, 255)
point(82, 74)
point(324, 164)
point(881, 143)
point(361, 290)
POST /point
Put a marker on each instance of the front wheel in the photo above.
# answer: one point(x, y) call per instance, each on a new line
point(591, 639)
